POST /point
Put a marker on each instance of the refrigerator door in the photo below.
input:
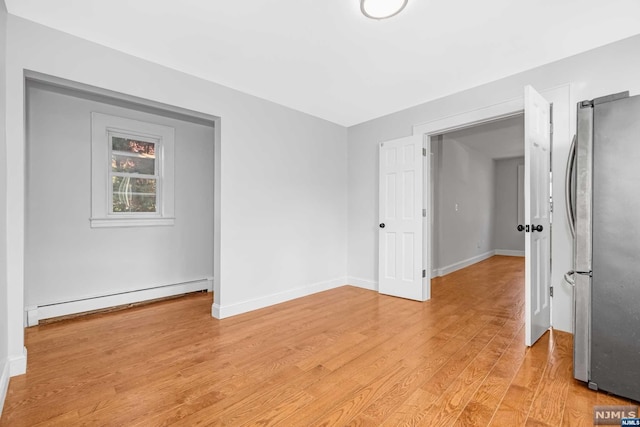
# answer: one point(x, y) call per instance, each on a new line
point(581, 326)
point(582, 241)
point(583, 188)
point(615, 290)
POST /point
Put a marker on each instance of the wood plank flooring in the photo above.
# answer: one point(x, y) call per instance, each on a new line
point(347, 356)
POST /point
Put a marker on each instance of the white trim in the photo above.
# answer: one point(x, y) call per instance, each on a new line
point(4, 383)
point(464, 263)
point(103, 126)
point(131, 222)
point(82, 87)
point(427, 222)
point(35, 314)
point(520, 218)
point(18, 364)
point(31, 315)
point(363, 283)
point(509, 108)
point(509, 252)
point(222, 311)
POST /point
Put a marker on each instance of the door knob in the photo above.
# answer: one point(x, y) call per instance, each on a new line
point(520, 227)
point(536, 227)
point(382, 225)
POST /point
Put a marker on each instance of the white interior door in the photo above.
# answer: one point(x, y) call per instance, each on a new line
point(400, 269)
point(537, 159)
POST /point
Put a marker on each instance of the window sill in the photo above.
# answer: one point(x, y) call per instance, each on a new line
point(130, 222)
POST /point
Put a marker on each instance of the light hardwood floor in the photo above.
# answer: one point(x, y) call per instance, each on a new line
point(342, 357)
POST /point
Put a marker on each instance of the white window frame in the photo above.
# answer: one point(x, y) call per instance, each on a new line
point(103, 127)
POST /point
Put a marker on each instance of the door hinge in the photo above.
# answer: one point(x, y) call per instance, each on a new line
point(424, 213)
point(551, 291)
point(424, 273)
point(424, 152)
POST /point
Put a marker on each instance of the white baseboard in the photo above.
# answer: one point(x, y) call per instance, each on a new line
point(462, 264)
point(223, 311)
point(34, 314)
point(18, 363)
point(10, 367)
point(509, 252)
point(4, 383)
point(372, 285)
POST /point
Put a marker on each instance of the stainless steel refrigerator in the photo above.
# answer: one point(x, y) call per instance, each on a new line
point(603, 187)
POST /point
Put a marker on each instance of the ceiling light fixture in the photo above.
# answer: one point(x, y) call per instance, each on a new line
point(381, 9)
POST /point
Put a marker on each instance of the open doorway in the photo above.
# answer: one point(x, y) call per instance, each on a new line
point(405, 235)
point(477, 197)
point(151, 170)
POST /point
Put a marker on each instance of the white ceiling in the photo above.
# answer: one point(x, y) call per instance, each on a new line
point(323, 57)
point(498, 139)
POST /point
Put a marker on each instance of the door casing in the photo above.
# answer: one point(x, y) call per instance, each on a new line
point(489, 113)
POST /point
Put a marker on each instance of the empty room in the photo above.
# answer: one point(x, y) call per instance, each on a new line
point(365, 212)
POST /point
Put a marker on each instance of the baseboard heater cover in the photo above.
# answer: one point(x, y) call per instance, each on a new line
point(36, 313)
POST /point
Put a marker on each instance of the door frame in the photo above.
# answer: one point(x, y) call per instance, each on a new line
point(434, 201)
point(502, 110)
point(469, 119)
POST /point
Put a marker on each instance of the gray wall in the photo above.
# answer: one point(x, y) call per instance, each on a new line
point(66, 259)
point(4, 325)
point(506, 235)
point(465, 203)
point(609, 69)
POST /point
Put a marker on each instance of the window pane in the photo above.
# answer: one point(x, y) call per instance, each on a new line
point(134, 194)
point(125, 163)
point(132, 156)
point(142, 148)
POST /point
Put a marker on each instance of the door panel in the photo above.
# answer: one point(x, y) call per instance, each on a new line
point(537, 130)
point(400, 239)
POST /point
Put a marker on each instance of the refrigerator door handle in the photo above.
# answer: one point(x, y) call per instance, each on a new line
point(568, 277)
point(568, 187)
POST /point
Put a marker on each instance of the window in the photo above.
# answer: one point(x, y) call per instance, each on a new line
point(132, 172)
